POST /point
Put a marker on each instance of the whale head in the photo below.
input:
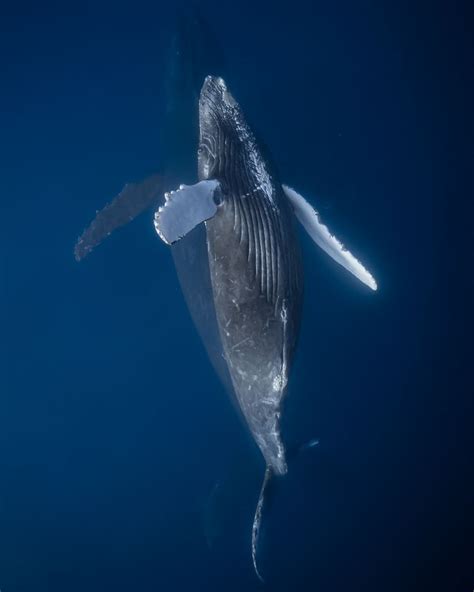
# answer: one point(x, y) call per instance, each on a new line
point(219, 114)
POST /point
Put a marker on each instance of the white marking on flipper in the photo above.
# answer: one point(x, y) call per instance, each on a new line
point(184, 209)
point(319, 232)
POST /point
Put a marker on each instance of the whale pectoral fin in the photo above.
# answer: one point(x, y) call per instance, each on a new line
point(319, 232)
point(134, 199)
point(185, 208)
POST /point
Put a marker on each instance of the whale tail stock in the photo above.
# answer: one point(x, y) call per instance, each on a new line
point(267, 492)
point(257, 520)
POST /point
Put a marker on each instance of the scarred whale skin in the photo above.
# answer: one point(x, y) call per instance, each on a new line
point(255, 267)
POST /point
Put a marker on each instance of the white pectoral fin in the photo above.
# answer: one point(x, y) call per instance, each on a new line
point(184, 209)
point(319, 232)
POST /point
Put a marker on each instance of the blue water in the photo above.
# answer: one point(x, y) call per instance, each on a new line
point(123, 465)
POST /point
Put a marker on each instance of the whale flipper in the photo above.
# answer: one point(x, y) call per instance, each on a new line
point(134, 199)
point(185, 208)
point(319, 232)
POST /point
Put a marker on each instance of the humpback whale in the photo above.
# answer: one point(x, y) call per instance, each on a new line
point(234, 239)
point(255, 266)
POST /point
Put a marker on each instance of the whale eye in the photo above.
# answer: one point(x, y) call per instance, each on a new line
point(206, 161)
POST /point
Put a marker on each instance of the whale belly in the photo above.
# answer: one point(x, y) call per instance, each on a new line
point(257, 316)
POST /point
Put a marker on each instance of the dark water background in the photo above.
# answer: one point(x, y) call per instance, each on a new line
point(114, 431)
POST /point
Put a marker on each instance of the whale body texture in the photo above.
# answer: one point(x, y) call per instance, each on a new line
point(255, 267)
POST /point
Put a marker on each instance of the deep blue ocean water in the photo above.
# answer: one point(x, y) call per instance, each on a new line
point(123, 465)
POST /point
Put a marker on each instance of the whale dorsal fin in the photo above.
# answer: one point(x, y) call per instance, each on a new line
point(185, 208)
point(319, 232)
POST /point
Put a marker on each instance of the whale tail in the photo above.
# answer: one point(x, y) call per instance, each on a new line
point(257, 520)
point(267, 493)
